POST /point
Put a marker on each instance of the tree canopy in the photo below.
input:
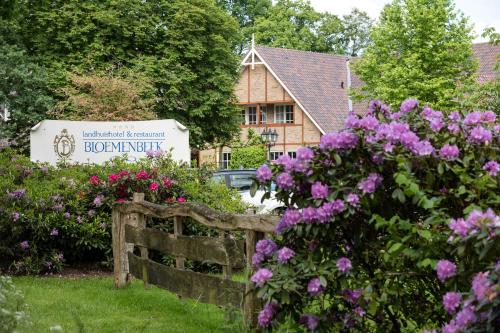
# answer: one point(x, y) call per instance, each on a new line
point(420, 48)
point(185, 48)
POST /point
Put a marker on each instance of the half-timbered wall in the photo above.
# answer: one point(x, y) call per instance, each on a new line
point(258, 87)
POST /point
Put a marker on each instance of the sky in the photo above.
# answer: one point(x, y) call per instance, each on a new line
point(482, 13)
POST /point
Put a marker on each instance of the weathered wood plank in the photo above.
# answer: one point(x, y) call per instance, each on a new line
point(250, 305)
point(214, 250)
point(188, 284)
point(203, 215)
point(120, 260)
point(180, 259)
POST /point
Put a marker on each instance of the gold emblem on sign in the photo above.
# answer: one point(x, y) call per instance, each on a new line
point(64, 144)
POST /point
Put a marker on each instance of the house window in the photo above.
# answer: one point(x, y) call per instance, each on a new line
point(263, 114)
point(292, 154)
point(226, 158)
point(243, 117)
point(283, 113)
point(252, 115)
point(274, 155)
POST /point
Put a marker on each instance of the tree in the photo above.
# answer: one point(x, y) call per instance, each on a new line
point(291, 24)
point(295, 24)
point(184, 47)
point(420, 48)
point(245, 12)
point(348, 35)
point(101, 97)
point(24, 92)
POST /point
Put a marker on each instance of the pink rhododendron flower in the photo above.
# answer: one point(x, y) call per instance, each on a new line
point(141, 175)
point(94, 180)
point(153, 186)
point(181, 199)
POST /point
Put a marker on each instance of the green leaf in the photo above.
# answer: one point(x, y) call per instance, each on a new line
point(323, 281)
point(398, 194)
point(425, 234)
point(395, 248)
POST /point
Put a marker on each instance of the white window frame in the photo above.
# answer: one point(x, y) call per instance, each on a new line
point(226, 159)
point(284, 113)
point(292, 154)
point(263, 114)
point(254, 115)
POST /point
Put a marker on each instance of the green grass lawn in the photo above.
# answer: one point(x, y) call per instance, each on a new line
point(94, 305)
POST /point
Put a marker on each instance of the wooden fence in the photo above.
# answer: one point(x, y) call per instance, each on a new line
point(129, 230)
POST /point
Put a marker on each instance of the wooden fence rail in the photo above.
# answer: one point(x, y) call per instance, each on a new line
point(129, 230)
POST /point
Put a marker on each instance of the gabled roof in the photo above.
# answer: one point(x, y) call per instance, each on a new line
point(487, 56)
point(318, 82)
point(314, 80)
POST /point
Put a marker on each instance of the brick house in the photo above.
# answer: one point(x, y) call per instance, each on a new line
point(303, 95)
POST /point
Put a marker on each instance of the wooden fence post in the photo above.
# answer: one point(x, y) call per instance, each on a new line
point(120, 266)
point(179, 261)
point(250, 300)
point(227, 270)
point(141, 224)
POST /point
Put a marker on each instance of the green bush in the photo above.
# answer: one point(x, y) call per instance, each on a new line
point(248, 157)
point(51, 216)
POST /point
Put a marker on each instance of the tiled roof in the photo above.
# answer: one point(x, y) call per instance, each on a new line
point(315, 80)
point(486, 54)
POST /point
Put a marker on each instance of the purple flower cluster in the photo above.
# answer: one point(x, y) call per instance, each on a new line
point(285, 181)
point(397, 132)
point(475, 222)
point(482, 286)
point(15, 216)
point(310, 321)
point(261, 276)
point(445, 270)
point(367, 123)
point(266, 247)
point(267, 313)
point(285, 254)
point(451, 301)
point(408, 105)
point(344, 265)
point(54, 232)
point(310, 215)
point(492, 167)
point(98, 200)
point(319, 190)
point(264, 174)
point(314, 287)
point(338, 141)
point(435, 118)
point(352, 296)
point(449, 152)
point(305, 154)
point(24, 245)
point(477, 117)
point(480, 135)
point(353, 199)
point(370, 184)
point(17, 194)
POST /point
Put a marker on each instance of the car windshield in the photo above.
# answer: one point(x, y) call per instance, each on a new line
point(241, 182)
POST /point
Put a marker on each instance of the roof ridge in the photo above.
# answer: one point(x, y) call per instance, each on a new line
point(304, 51)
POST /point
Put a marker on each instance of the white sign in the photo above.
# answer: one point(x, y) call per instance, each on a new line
point(97, 142)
